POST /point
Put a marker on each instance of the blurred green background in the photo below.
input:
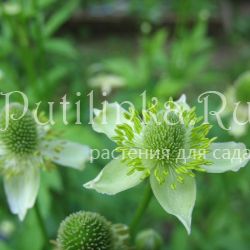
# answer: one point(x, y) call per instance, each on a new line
point(49, 48)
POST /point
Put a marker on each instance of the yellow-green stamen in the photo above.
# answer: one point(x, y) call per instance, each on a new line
point(171, 140)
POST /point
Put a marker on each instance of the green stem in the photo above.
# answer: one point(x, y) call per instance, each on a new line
point(41, 224)
point(141, 210)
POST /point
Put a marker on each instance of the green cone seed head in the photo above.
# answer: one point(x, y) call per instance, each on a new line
point(20, 136)
point(242, 86)
point(85, 231)
point(165, 139)
point(163, 134)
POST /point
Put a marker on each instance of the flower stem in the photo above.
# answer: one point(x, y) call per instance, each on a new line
point(41, 224)
point(141, 210)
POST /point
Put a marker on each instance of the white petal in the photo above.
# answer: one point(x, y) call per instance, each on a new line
point(237, 129)
point(66, 153)
point(107, 119)
point(182, 99)
point(114, 179)
point(97, 112)
point(228, 156)
point(182, 102)
point(180, 201)
point(22, 190)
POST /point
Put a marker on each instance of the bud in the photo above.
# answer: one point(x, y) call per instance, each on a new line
point(148, 240)
point(85, 230)
point(121, 237)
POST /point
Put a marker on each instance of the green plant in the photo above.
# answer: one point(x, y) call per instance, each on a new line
point(166, 71)
point(37, 60)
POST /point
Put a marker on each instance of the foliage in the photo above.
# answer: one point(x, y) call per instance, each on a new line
point(41, 56)
point(37, 60)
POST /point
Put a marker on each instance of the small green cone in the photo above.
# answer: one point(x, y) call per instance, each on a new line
point(85, 231)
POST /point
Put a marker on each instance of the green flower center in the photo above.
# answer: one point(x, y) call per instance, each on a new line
point(85, 230)
point(20, 136)
point(165, 138)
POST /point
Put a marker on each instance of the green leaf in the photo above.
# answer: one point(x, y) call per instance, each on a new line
point(169, 87)
point(50, 180)
point(29, 235)
point(57, 74)
point(60, 47)
point(60, 17)
point(4, 246)
point(43, 4)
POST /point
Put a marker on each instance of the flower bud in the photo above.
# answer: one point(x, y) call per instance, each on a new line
point(85, 230)
point(121, 237)
point(148, 240)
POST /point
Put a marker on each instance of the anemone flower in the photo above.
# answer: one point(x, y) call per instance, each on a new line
point(166, 144)
point(25, 148)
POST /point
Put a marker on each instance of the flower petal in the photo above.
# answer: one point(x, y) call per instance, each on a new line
point(22, 190)
point(178, 202)
point(66, 153)
point(114, 179)
point(237, 130)
point(107, 119)
point(223, 156)
point(182, 102)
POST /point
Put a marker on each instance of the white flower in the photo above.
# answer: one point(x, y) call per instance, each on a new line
point(156, 143)
point(106, 82)
point(238, 125)
point(25, 147)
